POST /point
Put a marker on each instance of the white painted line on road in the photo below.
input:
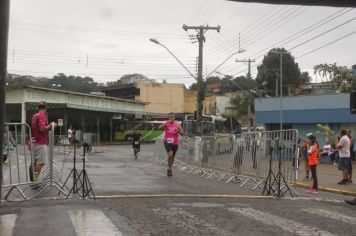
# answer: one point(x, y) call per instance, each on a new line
point(287, 225)
point(180, 218)
point(92, 223)
point(332, 215)
point(317, 199)
point(7, 224)
point(182, 195)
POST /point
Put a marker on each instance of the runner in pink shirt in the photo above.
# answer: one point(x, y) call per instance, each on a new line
point(172, 129)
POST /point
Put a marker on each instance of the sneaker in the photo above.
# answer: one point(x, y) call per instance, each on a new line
point(343, 182)
point(306, 178)
point(312, 190)
point(351, 202)
point(169, 173)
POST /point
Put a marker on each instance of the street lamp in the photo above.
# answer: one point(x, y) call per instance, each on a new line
point(224, 61)
point(281, 87)
point(157, 42)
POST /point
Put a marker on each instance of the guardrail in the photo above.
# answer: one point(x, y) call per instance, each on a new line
point(18, 159)
point(18, 169)
point(247, 159)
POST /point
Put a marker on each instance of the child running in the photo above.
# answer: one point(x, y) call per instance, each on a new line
point(313, 154)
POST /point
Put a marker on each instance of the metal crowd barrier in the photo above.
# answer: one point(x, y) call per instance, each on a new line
point(17, 167)
point(51, 178)
point(18, 171)
point(246, 159)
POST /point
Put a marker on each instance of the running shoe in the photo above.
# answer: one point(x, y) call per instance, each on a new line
point(306, 178)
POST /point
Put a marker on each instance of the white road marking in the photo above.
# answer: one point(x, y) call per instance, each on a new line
point(92, 223)
point(183, 219)
point(332, 215)
point(317, 199)
point(7, 224)
point(287, 225)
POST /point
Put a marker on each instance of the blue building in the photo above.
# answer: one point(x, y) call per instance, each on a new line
point(305, 112)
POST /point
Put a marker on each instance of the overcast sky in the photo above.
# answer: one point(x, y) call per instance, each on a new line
point(106, 39)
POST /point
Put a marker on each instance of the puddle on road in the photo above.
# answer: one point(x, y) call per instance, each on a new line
point(199, 204)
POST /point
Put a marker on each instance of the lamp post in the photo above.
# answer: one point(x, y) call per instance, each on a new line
point(170, 52)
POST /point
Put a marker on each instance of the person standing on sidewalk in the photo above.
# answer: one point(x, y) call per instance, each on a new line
point(40, 128)
point(8, 143)
point(305, 157)
point(352, 153)
point(344, 157)
point(70, 136)
point(172, 129)
point(313, 156)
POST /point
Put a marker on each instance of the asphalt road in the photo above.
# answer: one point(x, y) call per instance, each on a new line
point(165, 209)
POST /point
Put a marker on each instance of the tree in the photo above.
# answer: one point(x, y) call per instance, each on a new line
point(327, 132)
point(242, 104)
point(135, 78)
point(62, 82)
point(334, 73)
point(269, 72)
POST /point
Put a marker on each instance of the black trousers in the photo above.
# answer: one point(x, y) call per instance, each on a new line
point(315, 178)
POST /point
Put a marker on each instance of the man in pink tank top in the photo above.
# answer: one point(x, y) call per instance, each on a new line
point(172, 129)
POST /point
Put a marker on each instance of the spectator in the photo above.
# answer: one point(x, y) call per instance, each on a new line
point(327, 150)
point(70, 136)
point(7, 143)
point(40, 129)
point(344, 157)
point(352, 153)
point(305, 156)
point(313, 154)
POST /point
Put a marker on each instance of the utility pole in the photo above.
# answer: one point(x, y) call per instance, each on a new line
point(4, 35)
point(250, 118)
point(280, 52)
point(200, 83)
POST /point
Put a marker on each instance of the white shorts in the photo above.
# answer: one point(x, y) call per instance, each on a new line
point(40, 153)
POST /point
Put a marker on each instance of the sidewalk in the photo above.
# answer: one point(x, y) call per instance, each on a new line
point(328, 177)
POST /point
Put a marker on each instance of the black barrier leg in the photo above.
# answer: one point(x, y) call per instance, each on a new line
point(85, 185)
point(74, 173)
point(268, 184)
point(281, 177)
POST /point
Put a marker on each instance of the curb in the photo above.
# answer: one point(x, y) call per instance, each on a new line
point(327, 189)
point(182, 196)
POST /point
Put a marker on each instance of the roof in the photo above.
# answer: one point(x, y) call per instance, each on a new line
point(85, 94)
point(330, 3)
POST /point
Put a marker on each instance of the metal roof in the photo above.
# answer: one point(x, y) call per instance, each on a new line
point(85, 94)
point(330, 3)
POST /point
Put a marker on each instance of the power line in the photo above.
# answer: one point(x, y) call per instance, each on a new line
point(216, 11)
point(305, 31)
point(91, 29)
point(267, 24)
point(198, 10)
point(328, 44)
